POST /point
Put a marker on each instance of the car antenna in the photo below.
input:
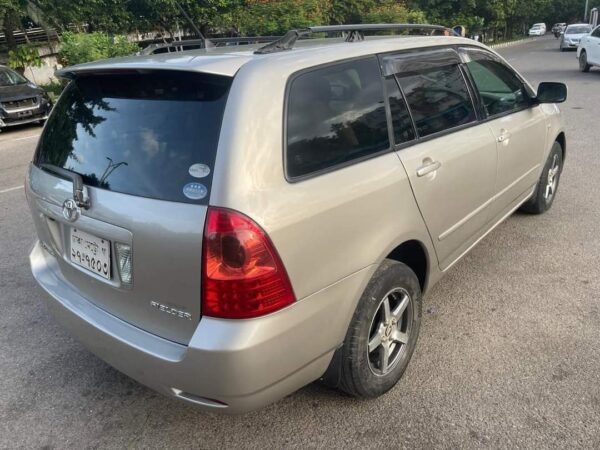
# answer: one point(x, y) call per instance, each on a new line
point(207, 43)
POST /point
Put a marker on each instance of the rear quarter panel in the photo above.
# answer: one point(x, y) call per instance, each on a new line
point(327, 227)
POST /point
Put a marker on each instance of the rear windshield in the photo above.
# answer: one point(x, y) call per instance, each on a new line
point(578, 30)
point(151, 135)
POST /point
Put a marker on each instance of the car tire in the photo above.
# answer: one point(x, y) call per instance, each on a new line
point(583, 64)
point(545, 191)
point(391, 331)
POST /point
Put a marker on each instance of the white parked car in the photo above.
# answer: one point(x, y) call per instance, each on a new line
point(573, 35)
point(588, 51)
point(538, 29)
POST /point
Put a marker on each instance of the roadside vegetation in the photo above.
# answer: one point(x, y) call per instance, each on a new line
point(97, 29)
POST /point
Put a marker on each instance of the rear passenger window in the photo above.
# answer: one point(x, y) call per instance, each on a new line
point(336, 114)
point(438, 99)
point(401, 121)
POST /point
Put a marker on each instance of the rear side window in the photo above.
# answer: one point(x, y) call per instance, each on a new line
point(335, 114)
point(151, 135)
point(438, 99)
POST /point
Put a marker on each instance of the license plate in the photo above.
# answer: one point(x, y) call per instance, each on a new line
point(24, 113)
point(90, 252)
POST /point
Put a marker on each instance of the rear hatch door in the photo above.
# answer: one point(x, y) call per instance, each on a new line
point(144, 144)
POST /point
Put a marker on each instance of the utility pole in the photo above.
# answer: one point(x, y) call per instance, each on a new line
point(585, 19)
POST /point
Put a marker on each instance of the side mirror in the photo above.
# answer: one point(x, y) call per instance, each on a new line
point(552, 93)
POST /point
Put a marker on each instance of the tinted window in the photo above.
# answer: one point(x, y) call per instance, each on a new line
point(596, 32)
point(499, 88)
point(403, 127)
point(335, 114)
point(137, 134)
point(438, 99)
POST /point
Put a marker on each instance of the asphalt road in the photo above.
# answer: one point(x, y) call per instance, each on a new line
point(509, 353)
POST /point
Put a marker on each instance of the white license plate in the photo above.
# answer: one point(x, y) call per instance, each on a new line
point(90, 252)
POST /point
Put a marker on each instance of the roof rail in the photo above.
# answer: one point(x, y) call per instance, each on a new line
point(351, 33)
point(205, 43)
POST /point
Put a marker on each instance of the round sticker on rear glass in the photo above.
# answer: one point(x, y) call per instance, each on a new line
point(199, 170)
point(195, 191)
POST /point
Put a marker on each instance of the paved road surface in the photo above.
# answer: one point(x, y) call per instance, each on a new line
point(509, 354)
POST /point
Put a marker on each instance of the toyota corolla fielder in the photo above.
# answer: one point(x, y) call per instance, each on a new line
point(226, 226)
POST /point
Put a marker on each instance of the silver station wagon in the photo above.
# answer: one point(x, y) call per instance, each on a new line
point(229, 224)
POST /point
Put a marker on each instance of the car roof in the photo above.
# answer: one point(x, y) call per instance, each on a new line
point(228, 60)
point(579, 25)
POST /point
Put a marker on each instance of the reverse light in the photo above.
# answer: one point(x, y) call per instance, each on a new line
point(124, 262)
point(242, 274)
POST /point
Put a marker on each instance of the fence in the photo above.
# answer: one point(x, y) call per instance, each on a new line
point(32, 35)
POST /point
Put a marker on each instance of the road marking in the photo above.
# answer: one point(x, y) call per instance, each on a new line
point(11, 189)
point(26, 137)
point(20, 138)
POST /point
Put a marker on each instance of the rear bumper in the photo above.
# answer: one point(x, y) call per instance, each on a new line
point(228, 366)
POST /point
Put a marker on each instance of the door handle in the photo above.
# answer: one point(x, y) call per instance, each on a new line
point(504, 137)
point(429, 166)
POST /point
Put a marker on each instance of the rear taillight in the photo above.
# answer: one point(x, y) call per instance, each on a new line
point(242, 274)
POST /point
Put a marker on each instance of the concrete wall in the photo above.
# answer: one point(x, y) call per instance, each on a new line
point(45, 73)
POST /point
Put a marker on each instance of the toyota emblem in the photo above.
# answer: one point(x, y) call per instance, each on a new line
point(70, 210)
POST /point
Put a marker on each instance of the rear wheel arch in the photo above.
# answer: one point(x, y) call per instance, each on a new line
point(414, 254)
point(562, 140)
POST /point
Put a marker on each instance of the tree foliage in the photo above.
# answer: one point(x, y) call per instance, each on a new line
point(274, 17)
point(77, 48)
point(507, 17)
point(22, 57)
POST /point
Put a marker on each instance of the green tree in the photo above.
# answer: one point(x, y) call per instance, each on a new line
point(111, 16)
point(391, 11)
point(350, 11)
point(258, 17)
point(77, 48)
point(205, 14)
point(11, 12)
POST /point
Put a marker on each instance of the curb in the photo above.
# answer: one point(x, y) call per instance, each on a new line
point(510, 44)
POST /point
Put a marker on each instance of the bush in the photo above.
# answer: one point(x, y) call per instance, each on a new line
point(54, 89)
point(78, 48)
point(24, 56)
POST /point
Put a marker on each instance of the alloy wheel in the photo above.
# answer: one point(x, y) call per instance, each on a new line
point(552, 179)
point(390, 331)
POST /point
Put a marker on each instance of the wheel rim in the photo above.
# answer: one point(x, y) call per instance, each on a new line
point(552, 179)
point(390, 331)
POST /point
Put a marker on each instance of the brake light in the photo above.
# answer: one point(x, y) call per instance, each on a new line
point(242, 274)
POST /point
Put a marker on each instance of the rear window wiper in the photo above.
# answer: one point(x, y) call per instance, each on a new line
point(75, 178)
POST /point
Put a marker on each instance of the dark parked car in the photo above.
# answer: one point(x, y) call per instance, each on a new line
point(21, 101)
